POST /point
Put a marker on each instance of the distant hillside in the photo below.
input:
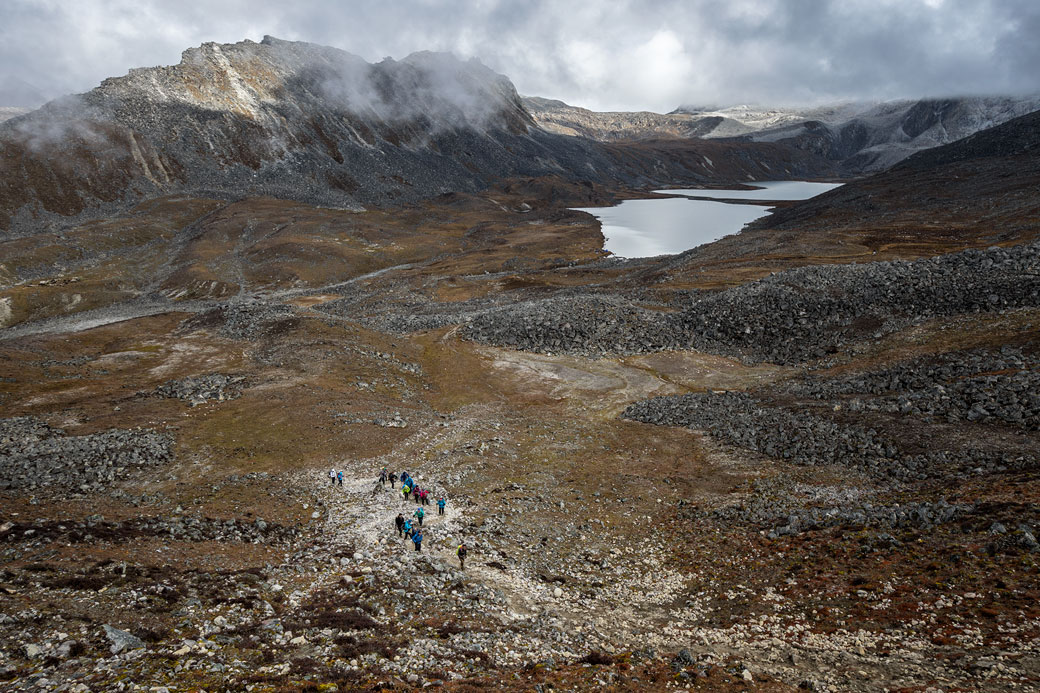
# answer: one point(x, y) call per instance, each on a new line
point(563, 119)
point(884, 134)
point(859, 137)
point(982, 188)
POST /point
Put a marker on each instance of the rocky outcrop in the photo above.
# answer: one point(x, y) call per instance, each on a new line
point(804, 313)
point(250, 319)
point(35, 456)
point(804, 421)
point(784, 509)
point(202, 388)
point(178, 527)
point(807, 438)
point(986, 387)
point(788, 317)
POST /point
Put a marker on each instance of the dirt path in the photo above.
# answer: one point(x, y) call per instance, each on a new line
point(362, 515)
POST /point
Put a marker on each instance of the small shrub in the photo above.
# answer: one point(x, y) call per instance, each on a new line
point(598, 658)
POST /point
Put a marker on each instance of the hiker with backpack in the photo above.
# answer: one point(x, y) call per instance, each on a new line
point(417, 539)
point(393, 479)
point(339, 477)
point(441, 502)
point(405, 490)
point(332, 476)
point(461, 553)
point(399, 524)
point(407, 527)
point(419, 514)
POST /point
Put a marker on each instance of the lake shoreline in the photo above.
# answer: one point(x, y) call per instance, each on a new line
point(680, 219)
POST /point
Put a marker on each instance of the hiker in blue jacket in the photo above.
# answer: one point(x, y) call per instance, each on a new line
point(441, 502)
point(417, 540)
point(407, 527)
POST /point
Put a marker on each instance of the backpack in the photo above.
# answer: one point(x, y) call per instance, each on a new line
point(461, 551)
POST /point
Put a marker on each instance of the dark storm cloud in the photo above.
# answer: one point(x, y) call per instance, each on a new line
point(624, 55)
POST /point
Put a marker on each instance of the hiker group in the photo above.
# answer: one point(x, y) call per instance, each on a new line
point(411, 527)
point(409, 487)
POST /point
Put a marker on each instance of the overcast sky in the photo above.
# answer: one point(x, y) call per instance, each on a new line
point(606, 54)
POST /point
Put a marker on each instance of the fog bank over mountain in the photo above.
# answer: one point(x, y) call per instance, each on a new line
point(630, 56)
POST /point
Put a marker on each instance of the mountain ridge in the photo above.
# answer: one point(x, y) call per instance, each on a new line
point(861, 137)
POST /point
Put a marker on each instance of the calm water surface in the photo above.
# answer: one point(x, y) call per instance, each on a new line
point(645, 228)
point(773, 190)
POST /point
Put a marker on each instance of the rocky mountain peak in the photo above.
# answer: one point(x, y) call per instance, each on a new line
point(282, 118)
point(262, 80)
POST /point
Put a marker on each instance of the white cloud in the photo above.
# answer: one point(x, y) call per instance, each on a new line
point(649, 54)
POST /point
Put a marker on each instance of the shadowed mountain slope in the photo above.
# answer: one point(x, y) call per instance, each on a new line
point(981, 189)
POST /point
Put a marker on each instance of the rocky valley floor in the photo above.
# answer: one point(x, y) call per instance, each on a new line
point(834, 490)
